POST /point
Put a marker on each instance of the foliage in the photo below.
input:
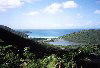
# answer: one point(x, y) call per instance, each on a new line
point(22, 56)
point(21, 34)
point(84, 36)
point(9, 59)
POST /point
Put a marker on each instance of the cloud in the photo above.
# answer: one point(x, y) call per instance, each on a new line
point(36, 25)
point(7, 4)
point(30, 1)
point(70, 4)
point(97, 11)
point(86, 24)
point(48, 25)
point(53, 8)
point(79, 15)
point(58, 7)
point(32, 13)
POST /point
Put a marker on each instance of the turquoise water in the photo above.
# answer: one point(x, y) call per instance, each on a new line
point(51, 33)
point(48, 33)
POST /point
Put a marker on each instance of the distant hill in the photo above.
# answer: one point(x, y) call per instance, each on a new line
point(85, 36)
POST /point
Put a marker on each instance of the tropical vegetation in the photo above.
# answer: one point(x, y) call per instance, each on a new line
point(17, 51)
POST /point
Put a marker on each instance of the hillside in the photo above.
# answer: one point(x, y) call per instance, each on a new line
point(20, 41)
point(85, 36)
point(19, 51)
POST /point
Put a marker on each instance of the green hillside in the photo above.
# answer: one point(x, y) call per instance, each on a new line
point(85, 36)
point(19, 51)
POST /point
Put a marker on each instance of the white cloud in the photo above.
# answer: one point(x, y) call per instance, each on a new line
point(79, 15)
point(6, 4)
point(87, 24)
point(70, 4)
point(36, 25)
point(32, 13)
point(97, 11)
point(53, 8)
point(47, 25)
point(30, 1)
point(58, 7)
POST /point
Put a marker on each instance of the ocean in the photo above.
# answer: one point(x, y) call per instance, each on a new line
point(51, 33)
point(48, 33)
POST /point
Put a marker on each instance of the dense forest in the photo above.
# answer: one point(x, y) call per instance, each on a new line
point(19, 51)
point(91, 36)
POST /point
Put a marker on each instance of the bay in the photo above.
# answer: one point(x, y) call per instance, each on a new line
point(48, 33)
point(51, 33)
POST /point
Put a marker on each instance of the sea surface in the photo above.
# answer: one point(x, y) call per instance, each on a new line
point(51, 33)
point(48, 33)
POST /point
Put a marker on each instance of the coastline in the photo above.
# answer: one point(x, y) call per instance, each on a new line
point(54, 41)
point(42, 37)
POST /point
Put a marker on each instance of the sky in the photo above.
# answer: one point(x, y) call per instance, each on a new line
point(50, 14)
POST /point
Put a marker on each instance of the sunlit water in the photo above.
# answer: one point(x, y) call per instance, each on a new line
point(63, 42)
point(51, 33)
point(48, 33)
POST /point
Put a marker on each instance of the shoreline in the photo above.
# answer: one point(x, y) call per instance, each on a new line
point(40, 37)
point(55, 41)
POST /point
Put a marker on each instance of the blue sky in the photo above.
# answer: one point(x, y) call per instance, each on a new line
point(50, 14)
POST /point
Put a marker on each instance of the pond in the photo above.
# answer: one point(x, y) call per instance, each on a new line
point(62, 42)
